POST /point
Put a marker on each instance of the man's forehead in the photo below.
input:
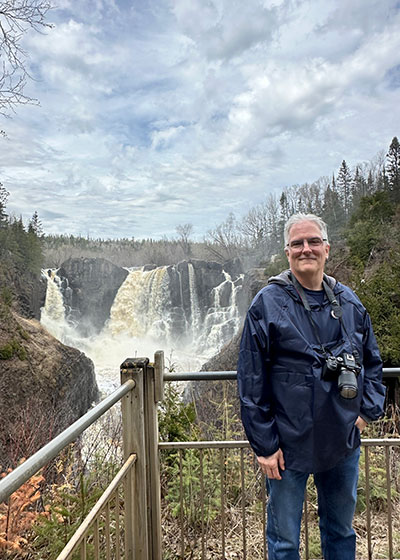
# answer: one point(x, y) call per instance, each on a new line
point(303, 228)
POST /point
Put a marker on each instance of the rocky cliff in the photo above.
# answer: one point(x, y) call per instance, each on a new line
point(28, 291)
point(44, 386)
point(89, 287)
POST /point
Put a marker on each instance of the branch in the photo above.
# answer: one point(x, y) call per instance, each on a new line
point(16, 18)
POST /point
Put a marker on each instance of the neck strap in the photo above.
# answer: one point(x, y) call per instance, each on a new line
point(336, 312)
point(336, 309)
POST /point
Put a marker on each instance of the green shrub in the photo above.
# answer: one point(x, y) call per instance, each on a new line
point(11, 349)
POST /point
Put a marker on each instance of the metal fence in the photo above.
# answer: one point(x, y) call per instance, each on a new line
point(379, 500)
point(127, 520)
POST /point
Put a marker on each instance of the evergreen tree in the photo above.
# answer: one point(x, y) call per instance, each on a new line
point(381, 183)
point(370, 183)
point(35, 225)
point(4, 194)
point(344, 187)
point(332, 210)
point(358, 188)
point(17, 242)
point(369, 225)
point(393, 169)
point(284, 213)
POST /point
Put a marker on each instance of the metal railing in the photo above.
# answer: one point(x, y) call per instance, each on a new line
point(250, 495)
point(138, 477)
point(142, 388)
point(32, 465)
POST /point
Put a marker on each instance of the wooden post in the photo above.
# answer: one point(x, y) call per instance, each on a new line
point(154, 393)
point(133, 421)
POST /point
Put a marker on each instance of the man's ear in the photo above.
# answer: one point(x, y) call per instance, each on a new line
point(327, 248)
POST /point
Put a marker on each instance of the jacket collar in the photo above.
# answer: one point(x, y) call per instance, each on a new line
point(284, 279)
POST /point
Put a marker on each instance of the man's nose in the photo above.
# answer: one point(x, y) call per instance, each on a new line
point(306, 246)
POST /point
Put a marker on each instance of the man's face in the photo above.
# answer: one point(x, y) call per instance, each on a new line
point(306, 260)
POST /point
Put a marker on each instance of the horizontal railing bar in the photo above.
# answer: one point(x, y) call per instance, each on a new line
point(385, 442)
point(391, 372)
point(200, 376)
point(239, 444)
point(219, 375)
point(202, 444)
point(23, 472)
point(99, 505)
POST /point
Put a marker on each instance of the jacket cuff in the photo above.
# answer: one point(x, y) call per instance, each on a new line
point(366, 419)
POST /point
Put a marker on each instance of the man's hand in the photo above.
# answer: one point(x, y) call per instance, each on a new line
point(361, 423)
point(271, 465)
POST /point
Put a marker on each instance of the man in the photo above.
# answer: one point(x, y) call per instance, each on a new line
point(310, 379)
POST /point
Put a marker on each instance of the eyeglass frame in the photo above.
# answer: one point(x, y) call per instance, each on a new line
point(322, 239)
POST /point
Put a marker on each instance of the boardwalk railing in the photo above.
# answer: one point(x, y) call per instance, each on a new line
point(131, 505)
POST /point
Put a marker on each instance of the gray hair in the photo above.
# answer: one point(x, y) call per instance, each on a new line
point(300, 217)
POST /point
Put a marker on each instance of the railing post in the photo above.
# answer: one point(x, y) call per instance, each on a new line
point(133, 422)
point(154, 393)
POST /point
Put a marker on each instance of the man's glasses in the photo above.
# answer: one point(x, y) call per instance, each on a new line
point(298, 244)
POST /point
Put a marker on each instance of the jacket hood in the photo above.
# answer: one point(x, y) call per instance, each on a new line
point(285, 279)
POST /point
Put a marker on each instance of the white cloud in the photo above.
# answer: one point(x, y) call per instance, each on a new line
point(184, 111)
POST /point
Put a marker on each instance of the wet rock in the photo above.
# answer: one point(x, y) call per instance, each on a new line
point(93, 284)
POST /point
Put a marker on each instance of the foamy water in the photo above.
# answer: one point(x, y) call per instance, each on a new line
point(139, 326)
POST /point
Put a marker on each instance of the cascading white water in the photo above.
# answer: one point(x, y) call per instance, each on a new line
point(53, 314)
point(194, 303)
point(141, 305)
point(54, 303)
point(221, 321)
point(142, 320)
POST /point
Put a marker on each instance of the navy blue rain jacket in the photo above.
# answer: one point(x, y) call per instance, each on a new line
point(284, 401)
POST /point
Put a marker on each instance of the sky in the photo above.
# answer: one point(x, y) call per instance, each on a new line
point(159, 113)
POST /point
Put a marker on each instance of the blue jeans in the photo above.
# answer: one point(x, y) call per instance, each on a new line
point(337, 496)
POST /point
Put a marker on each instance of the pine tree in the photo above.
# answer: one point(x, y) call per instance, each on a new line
point(393, 169)
point(35, 225)
point(344, 187)
point(359, 188)
point(333, 212)
point(4, 194)
point(370, 183)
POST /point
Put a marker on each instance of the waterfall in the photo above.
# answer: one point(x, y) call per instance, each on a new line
point(53, 313)
point(141, 306)
point(56, 314)
point(194, 303)
point(187, 309)
point(221, 321)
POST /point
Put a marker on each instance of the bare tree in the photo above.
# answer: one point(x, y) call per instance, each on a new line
point(184, 232)
point(254, 225)
point(16, 18)
point(225, 242)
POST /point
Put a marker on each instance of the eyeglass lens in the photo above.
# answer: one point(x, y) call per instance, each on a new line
point(311, 241)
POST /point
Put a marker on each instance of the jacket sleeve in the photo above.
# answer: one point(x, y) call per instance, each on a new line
point(253, 384)
point(372, 403)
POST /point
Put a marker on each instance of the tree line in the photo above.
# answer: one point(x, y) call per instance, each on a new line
point(255, 237)
point(260, 232)
point(21, 246)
